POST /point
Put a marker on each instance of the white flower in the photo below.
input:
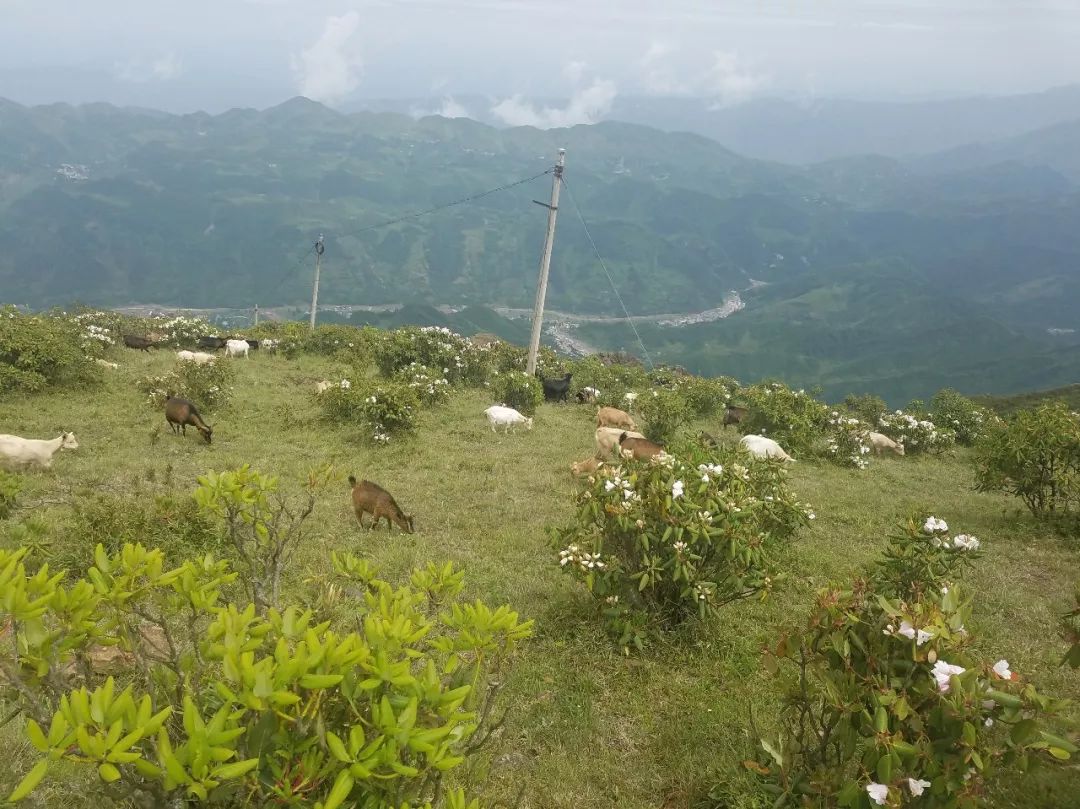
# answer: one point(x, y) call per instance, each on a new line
point(907, 630)
point(933, 525)
point(989, 722)
point(964, 542)
point(943, 671)
point(345, 384)
point(879, 793)
point(676, 489)
point(917, 786)
point(608, 485)
point(922, 637)
point(679, 547)
point(1001, 669)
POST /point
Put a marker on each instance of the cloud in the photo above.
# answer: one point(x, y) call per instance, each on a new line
point(138, 71)
point(575, 70)
point(452, 109)
point(657, 77)
point(330, 68)
point(731, 82)
point(588, 105)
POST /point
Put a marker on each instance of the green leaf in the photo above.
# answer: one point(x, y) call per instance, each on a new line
point(29, 782)
point(337, 748)
point(1024, 732)
point(343, 785)
point(766, 745)
point(1058, 753)
point(108, 773)
point(237, 769)
point(36, 736)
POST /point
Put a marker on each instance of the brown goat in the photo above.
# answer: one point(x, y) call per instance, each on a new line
point(180, 413)
point(613, 417)
point(587, 467)
point(371, 497)
point(641, 448)
point(734, 415)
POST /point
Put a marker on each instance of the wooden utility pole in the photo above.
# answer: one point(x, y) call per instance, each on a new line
point(256, 314)
point(545, 264)
point(315, 288)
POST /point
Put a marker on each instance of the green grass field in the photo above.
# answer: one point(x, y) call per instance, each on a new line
point(588, 727)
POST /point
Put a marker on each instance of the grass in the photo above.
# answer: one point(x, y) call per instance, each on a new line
point(587, 727)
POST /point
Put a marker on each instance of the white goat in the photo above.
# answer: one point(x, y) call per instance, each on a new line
point(16, 452)
point(237, 348)
point(107, 364)
point(762, 447)
point(880, 442)
point(498, 415)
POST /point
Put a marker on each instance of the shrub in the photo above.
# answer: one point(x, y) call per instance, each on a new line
point(889, 697)
point(867, 407)
point(1036, 457)
point(663, 412)
point(385, 408)
point(334, 340)
point(961, 415)
point(431, 387)
point(682, 535)
point(706, 397)
point(438, 348)
point(39, 351)
point(518, 390)
point(178, 331)
point(208, 385)
point(792, 418)
point(219, 705)
point(10, 487)
point(613, 381)
point(916, 434)
point(846, 442)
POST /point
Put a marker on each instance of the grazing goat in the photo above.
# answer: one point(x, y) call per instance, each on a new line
point(613, 417)
point(734, 415)
point(139, 343)
point(323, 386)
point(107, 364)
point(200, 357)
point(180, 413)
point(762, 447)
point(499, 415)
point(212, 343)
point(586, 467)
point(880, 442)
point(17, 453)
point(368, 497)
point(607, 440)
point(237, 348)
point(640, 449)
point(588, 395)
point(556, 390)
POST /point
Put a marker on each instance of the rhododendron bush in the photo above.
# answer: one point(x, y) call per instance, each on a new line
point(847, 442)
point(916, 434)
point(657, 542)
point(891, 701)
point(387, 408)
point(518, 390)
point(792, 418)
point(966, 419)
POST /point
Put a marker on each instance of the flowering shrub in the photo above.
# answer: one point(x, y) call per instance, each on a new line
point(678, 536)
point(662, 413)
point(705, 397)
point(179, 331)
point(386, 408)
point(347, 343)
point(916, 434)
point(39, 351)
point(791, 417)
point(435, 347)
point(891, 704)
point(217, 703)
point(208, 385)
point(613, 381)
point(961, 415)
point(518, 390)
point(1036, 457)
point(431, 387)
point(867, 407)
point(846, 441)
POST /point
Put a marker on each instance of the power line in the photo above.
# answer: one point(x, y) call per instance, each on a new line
point(462, 201)
point(615, 289)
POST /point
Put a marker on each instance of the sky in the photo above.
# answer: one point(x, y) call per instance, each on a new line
point(541, 62)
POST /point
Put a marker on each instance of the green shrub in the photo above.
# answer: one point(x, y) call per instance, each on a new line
point(41, 351)
point(613, 381)
point(386, 408)
point(846, 441)
point(866, 408)
point(792, 418)
point(1034, 456)
point(431, 386)
point(918, 435)
point(662, 413)
point(220, 705)
point(10, 487)
point(208, 385)
point(707, 398)
point(679, 536)
point(890, 701)
point(440, 349)
point(961, 415)
point(518, 390)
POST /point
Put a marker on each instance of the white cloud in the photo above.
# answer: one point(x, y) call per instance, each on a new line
point(729, 81)
point(330, 68)
point(452, 109)
point(165, 67)
point(575, 71)
point(588, 105)
point(657, 76)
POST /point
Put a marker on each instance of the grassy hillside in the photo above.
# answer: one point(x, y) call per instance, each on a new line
point(587, 727)
point(1070, 394)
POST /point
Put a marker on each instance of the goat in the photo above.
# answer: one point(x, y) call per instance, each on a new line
point(586, 467)
point(762, 447)
point(212, 343)
point(371, 497)
point(556, 390)
point(880, 442)
point(323, 386)
point(640, 449)
point(607, 440)
point(734, 415)
point(499, 415)
point(613, 417)
point(16, 452)
point(252, 344)
point(587, 395)
point(139, 343)
point(180, 413)
point(107, 364)
point(237, 348)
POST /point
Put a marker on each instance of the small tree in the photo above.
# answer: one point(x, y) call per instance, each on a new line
point(518, 390)
point(961, 415)
point(663, 412)
point(1036, 457)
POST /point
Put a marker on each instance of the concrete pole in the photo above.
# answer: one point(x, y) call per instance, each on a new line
point(545, 265)
point(315, 288)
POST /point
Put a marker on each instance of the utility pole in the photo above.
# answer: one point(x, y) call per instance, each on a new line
point(315, 289)
point(545, 263)
point(256, 314)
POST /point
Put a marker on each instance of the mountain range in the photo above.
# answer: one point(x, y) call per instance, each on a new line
point(864, 272)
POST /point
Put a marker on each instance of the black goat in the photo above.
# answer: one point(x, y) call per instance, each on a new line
point(139, 343)
point(212, 343)
point(556, 390)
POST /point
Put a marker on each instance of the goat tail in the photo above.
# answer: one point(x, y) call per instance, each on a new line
point(352, 480)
